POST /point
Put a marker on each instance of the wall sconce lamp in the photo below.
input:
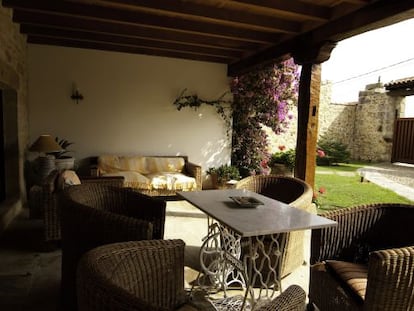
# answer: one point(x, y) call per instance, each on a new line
point(76, 95)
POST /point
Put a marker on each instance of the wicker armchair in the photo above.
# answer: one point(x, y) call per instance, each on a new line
point(292, 191)
point(147, 276)
point(94, 215)
point(51, 210)
point(366, 262)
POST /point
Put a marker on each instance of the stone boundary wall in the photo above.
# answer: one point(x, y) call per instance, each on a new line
point(366, 126)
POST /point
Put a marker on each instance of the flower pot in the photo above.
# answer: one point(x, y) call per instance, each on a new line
point(215, 184)
point(65, 163)
point(281, 169)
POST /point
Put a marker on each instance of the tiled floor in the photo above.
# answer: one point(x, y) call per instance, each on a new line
point(30, 276)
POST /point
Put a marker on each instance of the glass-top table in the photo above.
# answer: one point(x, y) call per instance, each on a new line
point(260, 228)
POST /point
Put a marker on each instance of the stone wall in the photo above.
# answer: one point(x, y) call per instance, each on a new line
point(336, 121)
point(13, 86)
point(366, 126)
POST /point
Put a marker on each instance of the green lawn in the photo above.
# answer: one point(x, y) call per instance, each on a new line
point(343, 188)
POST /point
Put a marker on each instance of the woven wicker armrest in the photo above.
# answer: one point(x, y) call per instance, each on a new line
point(51, 214)
point(353, 222)
point(49, 183)
point(292, 299)
point(138, 275)
point(148, 208)
point(102, 226)
point(194, 170)
point(391, 279)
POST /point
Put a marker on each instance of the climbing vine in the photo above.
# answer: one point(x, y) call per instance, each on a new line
point(261, 97)
point(221, 104)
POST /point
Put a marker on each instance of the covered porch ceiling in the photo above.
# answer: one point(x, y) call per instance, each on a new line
point(239, 33)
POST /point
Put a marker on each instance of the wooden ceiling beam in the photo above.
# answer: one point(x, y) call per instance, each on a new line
point(98, 13)
point(71, 22)
point(292, 8)
point(126, 49)
point(210, 13)
point(356, 1)
point(381, 13)
point(32, 30)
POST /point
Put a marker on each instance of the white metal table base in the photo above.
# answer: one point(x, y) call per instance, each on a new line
point(223, 268)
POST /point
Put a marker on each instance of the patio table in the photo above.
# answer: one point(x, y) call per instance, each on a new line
point(230, 225)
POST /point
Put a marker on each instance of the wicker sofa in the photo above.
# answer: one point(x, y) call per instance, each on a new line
point(366, 262)
point(149, 276)
point(152, 175)
point(294, 192)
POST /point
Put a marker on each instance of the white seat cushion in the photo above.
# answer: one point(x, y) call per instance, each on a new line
point(133, 179)
point(172, 181)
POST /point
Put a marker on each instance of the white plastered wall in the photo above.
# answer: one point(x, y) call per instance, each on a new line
point(128, 104)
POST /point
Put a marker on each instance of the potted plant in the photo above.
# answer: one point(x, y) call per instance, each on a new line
point(283, 162)
point(221, 175)
point(62, 159)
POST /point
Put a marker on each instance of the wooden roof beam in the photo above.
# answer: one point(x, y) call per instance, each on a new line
point(68, 22)
point(380, 13)
point(98, 13)
point(210, 13)
point(32, 30)
point(126, 49)
point(292, 8)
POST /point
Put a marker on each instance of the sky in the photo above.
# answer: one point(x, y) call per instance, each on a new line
point(384, 54)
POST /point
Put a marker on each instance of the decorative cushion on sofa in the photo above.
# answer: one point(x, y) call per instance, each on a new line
point(148, 172)
point(165, 164)
point(134, 163)
point(67, 178)
point(141, 164)
point(109, 164)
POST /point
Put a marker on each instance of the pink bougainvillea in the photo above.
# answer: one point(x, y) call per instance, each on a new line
point(261, 97)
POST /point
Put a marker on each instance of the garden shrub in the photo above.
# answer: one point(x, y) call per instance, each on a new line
point(335, 152)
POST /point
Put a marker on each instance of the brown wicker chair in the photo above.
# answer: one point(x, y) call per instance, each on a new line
point(147, 276)
point(94, 215)
point(292, 191)
point(366, 262)
point(51, 210)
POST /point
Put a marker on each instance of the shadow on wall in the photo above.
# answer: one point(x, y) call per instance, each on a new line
point(215, 154)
